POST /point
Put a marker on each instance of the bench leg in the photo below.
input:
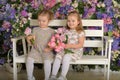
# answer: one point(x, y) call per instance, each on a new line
point(108, 72)
point(105, 68)
point(15, 71)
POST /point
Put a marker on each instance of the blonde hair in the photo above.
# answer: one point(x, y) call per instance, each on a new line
point(46, 12)
point(79, 28)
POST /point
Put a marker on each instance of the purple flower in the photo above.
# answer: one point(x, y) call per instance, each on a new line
point(2, 61)
point(7, 7)
point(109, 27)
point(115, 44)
point(28, 1)
point(35, 4)
point(104, 15)
point(118, 23)
point(1, 16)
point(119, 62)
point(24, 13)
point(2, 29)
point(3, 2)
point(108, 3)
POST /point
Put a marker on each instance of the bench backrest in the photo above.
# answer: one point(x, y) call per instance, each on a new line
point(93, 30)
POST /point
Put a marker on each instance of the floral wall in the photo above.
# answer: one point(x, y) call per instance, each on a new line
point(15, 16)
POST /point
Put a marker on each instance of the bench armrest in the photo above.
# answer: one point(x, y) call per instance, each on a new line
point(17, 38)
point(14, 42)
point(108, 46)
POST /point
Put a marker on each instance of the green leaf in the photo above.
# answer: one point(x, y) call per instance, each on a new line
point(110, 33)
point(68, 51)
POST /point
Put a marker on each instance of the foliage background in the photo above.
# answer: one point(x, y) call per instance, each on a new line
point(15, 16)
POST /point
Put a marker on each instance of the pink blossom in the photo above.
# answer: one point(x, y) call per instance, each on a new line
point(62, 37)
point(52, 44)
point(27, 31)
point(24, 13)
point(66, 2)
point(53, 39)
point(119, 23)
point(107, 20)
point(57, 49)
point(60, 30)
point(49, 3)
point(57, 14)
point(60, 47)
point(6, 24)
point(35, 4)
point(57, 35)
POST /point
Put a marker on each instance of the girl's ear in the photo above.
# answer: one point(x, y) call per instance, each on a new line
point(79, 22)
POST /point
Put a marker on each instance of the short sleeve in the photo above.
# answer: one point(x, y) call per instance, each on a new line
point(81, 34)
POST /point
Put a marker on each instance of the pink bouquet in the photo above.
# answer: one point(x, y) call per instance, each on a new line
point(59, 40)
point(28, 33)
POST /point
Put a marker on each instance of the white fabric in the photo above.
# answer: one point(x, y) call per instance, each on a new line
point(56, 66)
point(65, 65)
point(47, 68)
point(29, 68)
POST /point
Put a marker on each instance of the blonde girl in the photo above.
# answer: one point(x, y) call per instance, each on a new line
point(40, 50)
point(76, 37)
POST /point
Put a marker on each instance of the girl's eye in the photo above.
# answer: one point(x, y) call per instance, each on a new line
point(73, 21)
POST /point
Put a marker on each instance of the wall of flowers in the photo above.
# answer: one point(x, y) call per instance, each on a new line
point(15, 16)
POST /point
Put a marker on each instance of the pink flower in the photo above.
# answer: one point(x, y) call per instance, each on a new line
point(35, 4)
point(24, 13)
point(52, 44)
point(58, 41)
point(6, 24)
point(62, 38)
point(28, 31)
point(108, 20)
point(53, 39)
point(57, 36)
point(61, 30)
point(59, 47)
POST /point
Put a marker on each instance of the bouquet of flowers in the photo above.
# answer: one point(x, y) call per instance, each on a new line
point(58, 41)
point(28, 33)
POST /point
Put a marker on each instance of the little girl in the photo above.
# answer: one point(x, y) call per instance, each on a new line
point(76, 37)
point(40, 50)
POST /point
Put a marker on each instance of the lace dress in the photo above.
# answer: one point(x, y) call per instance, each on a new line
point(73, 37)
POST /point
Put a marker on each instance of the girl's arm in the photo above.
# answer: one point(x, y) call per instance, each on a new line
point(79, 45)
point(47, 49)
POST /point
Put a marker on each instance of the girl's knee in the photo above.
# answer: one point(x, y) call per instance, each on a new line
point(29, 59)
point(67, 57)
point(47, 62)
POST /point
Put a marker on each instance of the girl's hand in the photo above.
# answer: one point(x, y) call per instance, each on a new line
point(67, 46)
point(47, 50)
point(29, 38)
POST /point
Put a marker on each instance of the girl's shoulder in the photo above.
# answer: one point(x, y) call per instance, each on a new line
point(82, 33)
point(36, 28)
point(51, 30)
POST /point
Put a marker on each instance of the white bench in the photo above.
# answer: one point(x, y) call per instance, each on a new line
point(103, 59)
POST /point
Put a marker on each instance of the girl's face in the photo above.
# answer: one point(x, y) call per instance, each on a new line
point(72, 21)
point(43, 21)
